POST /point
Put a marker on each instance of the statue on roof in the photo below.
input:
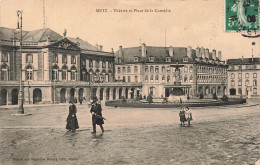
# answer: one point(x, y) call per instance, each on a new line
point(65, 33)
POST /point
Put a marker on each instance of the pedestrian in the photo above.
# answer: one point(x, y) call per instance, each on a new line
point(97, 118)
point(182, 117)
point(188, 115)
point(72, 122)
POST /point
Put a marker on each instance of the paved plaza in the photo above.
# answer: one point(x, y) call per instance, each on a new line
point(218, 135)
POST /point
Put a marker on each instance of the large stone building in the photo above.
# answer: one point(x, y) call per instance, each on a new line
point(157, 68)
point(243, 76)
point(55, 69)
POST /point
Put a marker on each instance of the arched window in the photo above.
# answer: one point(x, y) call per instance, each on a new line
point(64, 73)
point(168, 79)
point(83, 62)
point(55, 58)
point(151, 78)
point(55, 73)
point(232, 75)
point(163, 78)
point(185, 78)
point(90, 63)
point(97, 64)
point(156, 78)
point(146, 69)
point(146, 78)
point(185, 69)
point(247, 82)
point(103, 64)
point(136, 69)
point(73, 73)
point(254, 82)
point(4, 73)
point(191, 69)
point(124, 69)
point(29, 73)
point(163, 69)
point(128, 69)
point(118, 70)
point(191, 78)
point(156, 69)
point(168, 69)
point(151, 69)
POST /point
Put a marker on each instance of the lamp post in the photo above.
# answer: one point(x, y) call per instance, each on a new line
point(19, 26)
point(241, 94)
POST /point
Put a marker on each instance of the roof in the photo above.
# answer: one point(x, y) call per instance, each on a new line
point(245, 61)
point(83, 44)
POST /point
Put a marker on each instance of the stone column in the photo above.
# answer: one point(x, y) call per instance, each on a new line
point(111, 94)
point(87, 94)
point(68, 95)
point(135, 93)
point(104, 93)
point(9, 97)
point(123, 92)
point(98, 92)
point(117, 93)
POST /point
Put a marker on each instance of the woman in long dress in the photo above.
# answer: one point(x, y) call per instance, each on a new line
point(72, 121)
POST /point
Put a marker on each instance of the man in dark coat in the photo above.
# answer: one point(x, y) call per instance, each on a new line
point(96, 115)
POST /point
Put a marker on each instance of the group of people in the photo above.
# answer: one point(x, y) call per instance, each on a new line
point(95, 110)
point(185, 115)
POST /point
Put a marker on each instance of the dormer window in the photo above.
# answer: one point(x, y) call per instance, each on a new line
point(151, 59)
point(119, 60)
point(136, 59)
point(185, 59)
point(168, 59)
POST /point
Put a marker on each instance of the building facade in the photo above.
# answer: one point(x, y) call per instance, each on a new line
point(166, 70)
point(55, 69)
point(243, 77)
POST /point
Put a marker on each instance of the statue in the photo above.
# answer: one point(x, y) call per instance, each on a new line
point(64, 33)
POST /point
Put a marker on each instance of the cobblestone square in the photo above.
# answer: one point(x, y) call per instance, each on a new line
point(218, 135)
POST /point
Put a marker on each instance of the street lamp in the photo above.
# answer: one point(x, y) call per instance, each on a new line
point(19, 27)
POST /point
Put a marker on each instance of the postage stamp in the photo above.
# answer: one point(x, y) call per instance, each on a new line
point(241, 15)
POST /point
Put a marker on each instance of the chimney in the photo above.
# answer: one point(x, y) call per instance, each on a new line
point(171, 51)
point(120, 52)
point(207, 53)
point(143, 50)
point(189, 51)
point(214, 54)
point(219, 55)
point(100, 47)
point(203, 53)
point(198, 52)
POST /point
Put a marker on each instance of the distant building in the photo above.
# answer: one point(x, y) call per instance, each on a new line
point(243, 77)
point(55, 69)
point(202, 72)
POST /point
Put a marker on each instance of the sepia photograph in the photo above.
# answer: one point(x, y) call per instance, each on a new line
point(140, 82)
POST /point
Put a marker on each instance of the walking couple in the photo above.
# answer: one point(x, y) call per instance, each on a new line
point(185, 115)
point(97, 119)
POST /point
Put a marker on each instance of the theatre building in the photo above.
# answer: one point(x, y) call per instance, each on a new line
point(243, 77)
point(172, 70)
point(55, 69)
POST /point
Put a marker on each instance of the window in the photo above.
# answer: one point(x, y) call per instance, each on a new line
point(168, 79)
point(29, 74)
point(64, 59)
point(151, 69)
point(55, 58)
point(128, 69)
point(191, 78)
point(247, 75)
point(254, 82)
point(163, 78)
point(135, 69)
point(185, 78)
point(90, 63)
point(255, 91)
point(151, 78)
point(163, 69)
point(168, 69)
point(136, 59)
point(232, 82)
point(232, 75)
point(64, 74)
point(129, 79)
point(185, 59)
point(4, 57)
point(55, 74)
point(240, 67)
point(109, 64)
point(168, 59)
point(83, 62)
point(103, 64)
point(157, 69)
point(29, 58)
point(151, 59)
point(97, 64)
point(146, 78)
point(239, 82)
point(247, 82)
point(239, 75)
point(185, 69)
point(73, 60)
point(73, 75)
point(124, 69)
point(4, 75)
point(146, 69)
point(119, 60)
point(231, 67)
point(136, 78)
point(255, 75)
point(118, 70)
point(191, 69)
point(156, 78)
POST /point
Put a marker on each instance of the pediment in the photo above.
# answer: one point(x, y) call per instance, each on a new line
point(65, 44)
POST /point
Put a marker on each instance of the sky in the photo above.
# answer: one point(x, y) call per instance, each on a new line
point(186, 23)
